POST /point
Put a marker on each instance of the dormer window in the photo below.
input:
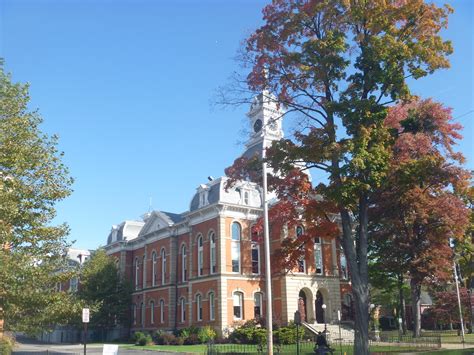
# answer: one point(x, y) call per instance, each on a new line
point(203, 191)
point(244, 195)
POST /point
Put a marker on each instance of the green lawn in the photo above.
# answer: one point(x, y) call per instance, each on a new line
point(305, 349)
point(447, 336)
point(199, 349)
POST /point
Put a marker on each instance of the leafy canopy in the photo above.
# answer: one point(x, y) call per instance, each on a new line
point(33, 179)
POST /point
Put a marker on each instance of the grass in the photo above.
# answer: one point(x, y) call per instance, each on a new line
point(199, 349)
point(447, 336)
point(305, 349)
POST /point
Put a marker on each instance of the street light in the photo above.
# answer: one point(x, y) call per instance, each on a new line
point(324, 316)
point(372, 307)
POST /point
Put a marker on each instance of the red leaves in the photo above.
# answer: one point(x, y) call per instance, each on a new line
point(424, 126)
point(421, 206)
point(445, 308)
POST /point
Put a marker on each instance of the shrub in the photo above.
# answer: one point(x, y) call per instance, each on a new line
point(287, 335)
point(206, 334)
point(6, 345)
point(167, 339)
point(140, 338)
point(248, 333)
point(192, 339)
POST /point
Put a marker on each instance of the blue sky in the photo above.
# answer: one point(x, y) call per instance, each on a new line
point(128, 86)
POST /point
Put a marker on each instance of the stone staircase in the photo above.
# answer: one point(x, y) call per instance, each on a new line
point(347, 333)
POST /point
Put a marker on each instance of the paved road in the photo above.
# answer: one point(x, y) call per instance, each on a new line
point(31, 348)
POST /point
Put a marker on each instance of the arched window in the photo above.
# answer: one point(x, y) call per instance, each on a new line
point(198, 307)
point(142, 314)
point(153, 272)
point(257, 305)
point(163, 266)
point(318, 256)
point(152, 312)
point(212, 315)
point(212, 239)
point(301, 260)
point(343, 260)
point(200, 255)
point(137, 270)
point(184, 266)
point(182, 303)
point(144, 272)
point(162, 311)
point(236, 236)
point(238, 300)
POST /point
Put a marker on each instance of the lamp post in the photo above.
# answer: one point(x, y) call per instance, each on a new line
point(372, 307)
point(324, 317)
point(459, 304)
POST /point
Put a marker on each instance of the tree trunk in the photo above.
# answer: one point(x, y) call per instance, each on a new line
point(415, 305)
point(402, 306)
point(359, 275)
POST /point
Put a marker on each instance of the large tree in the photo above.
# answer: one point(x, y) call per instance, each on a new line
point(337, 64)
point(32, 180)
point(103, 288)
point(421, 204)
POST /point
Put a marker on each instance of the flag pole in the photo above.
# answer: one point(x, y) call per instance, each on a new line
point(268, 271)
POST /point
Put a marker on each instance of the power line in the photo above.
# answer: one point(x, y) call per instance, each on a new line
point(463, 115)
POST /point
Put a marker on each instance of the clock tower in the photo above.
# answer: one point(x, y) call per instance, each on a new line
point(265, 122)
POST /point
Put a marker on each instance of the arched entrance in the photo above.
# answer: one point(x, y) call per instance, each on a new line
point(302, 306)
point(319, 307)
point(306, 304)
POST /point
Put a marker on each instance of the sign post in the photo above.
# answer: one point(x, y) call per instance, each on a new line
point(85, 320)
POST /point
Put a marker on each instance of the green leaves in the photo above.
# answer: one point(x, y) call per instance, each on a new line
point(103, 287)
point(32, 180)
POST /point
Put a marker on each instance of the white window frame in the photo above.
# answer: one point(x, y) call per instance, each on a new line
point(239, 297)
point(162, 311)
point(152, 312)
point(200, 250)
point(299, 230)
point(163, 265)
point(255, 246)
point(198, 307)
point(142, 314)
point(212, 301)
point(184, 267)
point(235, 248)
point(137, 270)
point(318, 256)
point(154, 259)
point(182, 302)
point(258, 299)
point(213, 254)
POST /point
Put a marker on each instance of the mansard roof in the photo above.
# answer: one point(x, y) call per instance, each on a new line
point(217, 193)
point(127, 230)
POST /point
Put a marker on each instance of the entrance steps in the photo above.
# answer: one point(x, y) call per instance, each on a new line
point(347, 333)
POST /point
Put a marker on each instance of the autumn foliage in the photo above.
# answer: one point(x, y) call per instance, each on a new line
point(336, 65)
